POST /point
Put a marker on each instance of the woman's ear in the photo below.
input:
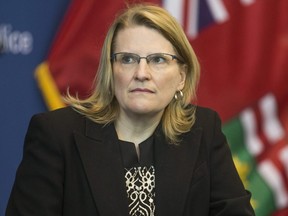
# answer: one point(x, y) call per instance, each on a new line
point(183, 72)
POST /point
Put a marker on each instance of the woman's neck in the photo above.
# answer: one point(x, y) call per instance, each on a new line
point(136, 129)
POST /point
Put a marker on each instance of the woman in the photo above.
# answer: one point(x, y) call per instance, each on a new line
point(136, 146)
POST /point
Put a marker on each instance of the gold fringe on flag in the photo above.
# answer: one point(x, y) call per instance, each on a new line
point(50, 93)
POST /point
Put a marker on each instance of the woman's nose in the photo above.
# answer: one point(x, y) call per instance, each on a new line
point(142, 71)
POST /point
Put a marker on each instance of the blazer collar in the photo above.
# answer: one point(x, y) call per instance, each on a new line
point(102, 162)
point(174, 167)
point(101, 157)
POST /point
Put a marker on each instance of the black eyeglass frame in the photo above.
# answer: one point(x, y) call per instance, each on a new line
point(113, 56)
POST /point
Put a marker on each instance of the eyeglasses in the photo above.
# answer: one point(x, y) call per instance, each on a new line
point(156, 61)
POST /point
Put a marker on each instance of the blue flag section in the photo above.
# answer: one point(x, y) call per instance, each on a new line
point(27, 29)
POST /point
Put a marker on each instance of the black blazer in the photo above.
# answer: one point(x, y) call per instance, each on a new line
point(72, 166)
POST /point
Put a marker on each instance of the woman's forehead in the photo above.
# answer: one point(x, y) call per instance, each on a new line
point(141, 37)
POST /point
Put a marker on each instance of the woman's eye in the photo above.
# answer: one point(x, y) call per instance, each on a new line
point(128, 59)
point(158, 59)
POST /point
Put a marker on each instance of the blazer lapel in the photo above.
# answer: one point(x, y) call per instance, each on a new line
point(174, 169)
point(101, 157)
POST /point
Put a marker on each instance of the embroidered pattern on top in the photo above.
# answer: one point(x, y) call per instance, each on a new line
point(140, 184)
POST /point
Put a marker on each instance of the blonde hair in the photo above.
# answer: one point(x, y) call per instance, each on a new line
point(102, 106)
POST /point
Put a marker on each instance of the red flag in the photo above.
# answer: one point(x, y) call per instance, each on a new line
point(73, 59)
point(245, 57)
point(243, 50)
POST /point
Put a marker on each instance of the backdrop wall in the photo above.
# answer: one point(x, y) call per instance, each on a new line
point(26, 31)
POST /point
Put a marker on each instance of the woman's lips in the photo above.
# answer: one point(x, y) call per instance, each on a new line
point(145, 90)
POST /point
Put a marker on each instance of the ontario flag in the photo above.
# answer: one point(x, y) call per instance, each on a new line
point(242, 46)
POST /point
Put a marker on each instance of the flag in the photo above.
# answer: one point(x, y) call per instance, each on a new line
point(242, 47)
point(258, 140)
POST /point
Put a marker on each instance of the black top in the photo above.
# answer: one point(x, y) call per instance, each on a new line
point(66, 153)
point(139, 177)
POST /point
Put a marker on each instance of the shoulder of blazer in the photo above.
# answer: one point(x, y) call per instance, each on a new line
point(61, 121)
point(206, 118)
point(63, 113)
point(67, 121)
point(210, 123)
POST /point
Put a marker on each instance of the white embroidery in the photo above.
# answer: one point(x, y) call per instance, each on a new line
point(140, 184)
